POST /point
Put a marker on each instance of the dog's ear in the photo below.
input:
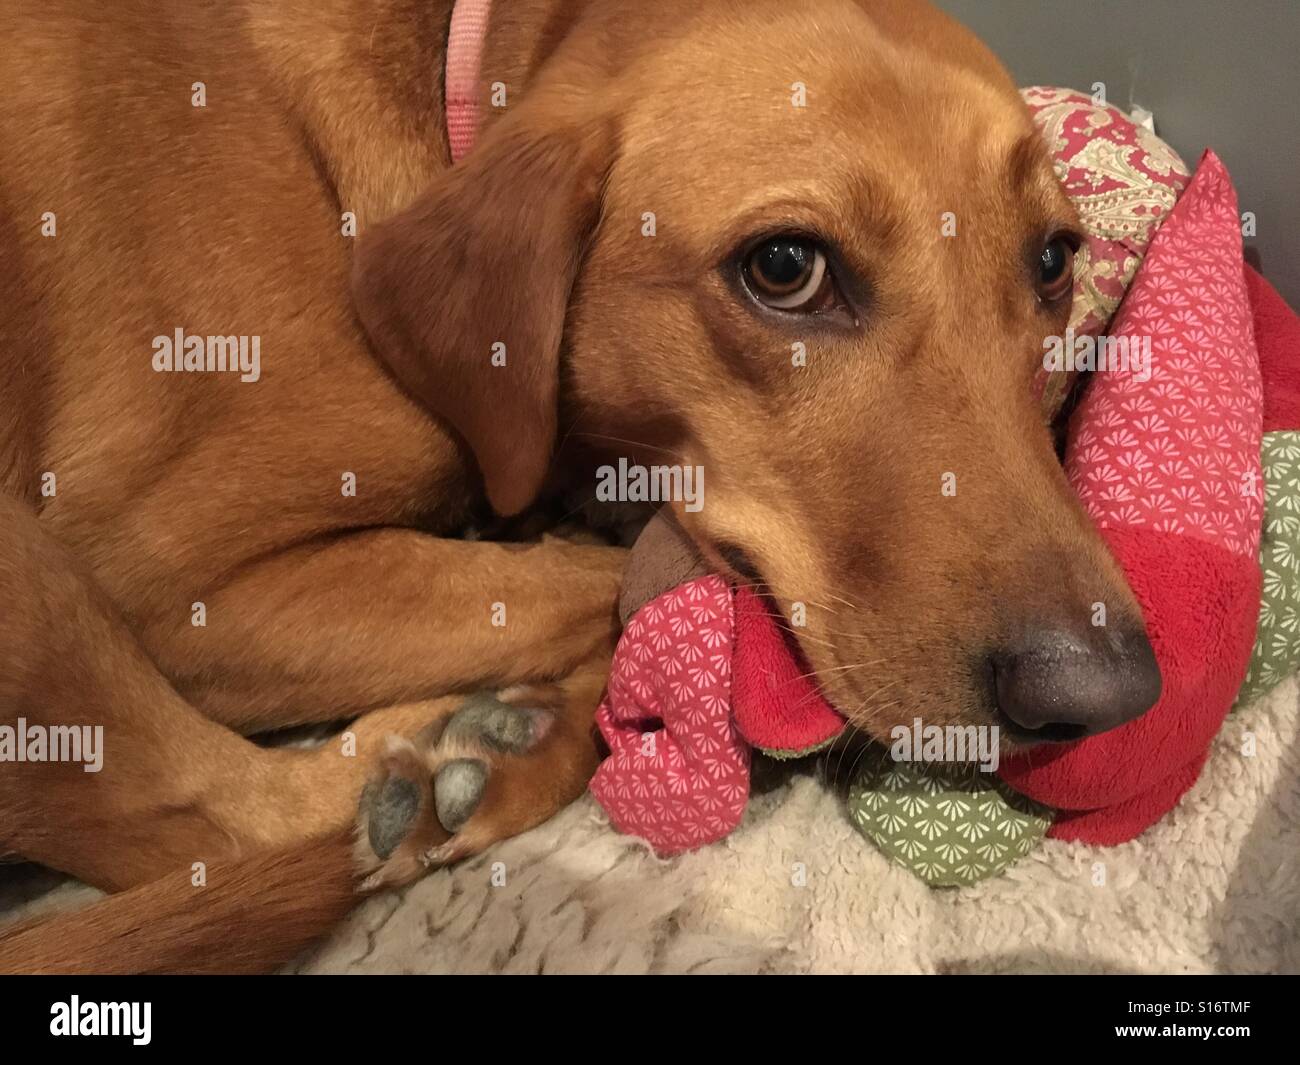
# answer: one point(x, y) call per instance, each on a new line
point(465, 293)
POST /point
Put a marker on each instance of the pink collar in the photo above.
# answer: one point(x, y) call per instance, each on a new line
point(469, 23)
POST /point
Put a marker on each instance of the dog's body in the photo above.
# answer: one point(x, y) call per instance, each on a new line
point(313, 513)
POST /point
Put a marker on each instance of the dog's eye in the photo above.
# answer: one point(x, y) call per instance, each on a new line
point(1055, 269)
point(789, 274)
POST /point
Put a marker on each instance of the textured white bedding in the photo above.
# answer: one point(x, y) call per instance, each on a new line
point(1215, 887)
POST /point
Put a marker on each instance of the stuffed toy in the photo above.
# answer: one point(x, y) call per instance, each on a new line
point(1181, 469)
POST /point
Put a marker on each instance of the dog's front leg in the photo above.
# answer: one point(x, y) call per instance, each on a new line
point(377, 618)
point(105, 771)
point(524, 632)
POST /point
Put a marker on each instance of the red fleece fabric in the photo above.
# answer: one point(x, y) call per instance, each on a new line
point(1277, 337)
point(1128, 820)
point(1277, 333)
point(1169, 469)
point(776, 705)
point(1200, 603)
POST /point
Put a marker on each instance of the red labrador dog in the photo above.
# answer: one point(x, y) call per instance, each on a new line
point(268, 354)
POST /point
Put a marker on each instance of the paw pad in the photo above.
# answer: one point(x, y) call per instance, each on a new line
point(498, 726)
point(457, 790)
point(392, 807)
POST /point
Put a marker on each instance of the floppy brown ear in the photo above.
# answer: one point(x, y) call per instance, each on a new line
point(483, 265)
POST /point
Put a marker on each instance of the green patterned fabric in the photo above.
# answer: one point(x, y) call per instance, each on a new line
point(949, 824)
point(1277, 644)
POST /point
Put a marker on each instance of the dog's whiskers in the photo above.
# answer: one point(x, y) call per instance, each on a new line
point(803, 634)
point(762, 591)
point(874, 709)
point(841, 599)
point(847, 635)
point(862, 751)
point(835, 669)
point(633, 443)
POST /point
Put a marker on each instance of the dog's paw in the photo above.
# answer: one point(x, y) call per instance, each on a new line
point(445, 796)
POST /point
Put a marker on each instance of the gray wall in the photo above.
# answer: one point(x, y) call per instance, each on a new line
point(1221, 74)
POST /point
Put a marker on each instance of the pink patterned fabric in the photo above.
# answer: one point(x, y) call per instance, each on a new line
point(469, 22)
point(1170, 471)
point(1180, 454)
point(678, 771)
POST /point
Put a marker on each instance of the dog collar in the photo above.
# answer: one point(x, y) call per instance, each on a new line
point(465, 40)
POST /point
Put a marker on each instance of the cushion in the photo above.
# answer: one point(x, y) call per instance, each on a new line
point(1170, 472)
point(949, 824)
point(1277, 644)
point(1124, 181)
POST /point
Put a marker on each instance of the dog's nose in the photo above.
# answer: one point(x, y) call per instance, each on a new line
point(1056, 687)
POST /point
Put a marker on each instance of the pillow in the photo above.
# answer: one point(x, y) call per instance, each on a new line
point(1277, 645)
point(1170, 471)
point(949, 824)
point(1124, 181)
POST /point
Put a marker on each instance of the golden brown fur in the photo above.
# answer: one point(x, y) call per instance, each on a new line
point(179, 489)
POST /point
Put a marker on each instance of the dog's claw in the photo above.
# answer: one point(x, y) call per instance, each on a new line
point(436, 857)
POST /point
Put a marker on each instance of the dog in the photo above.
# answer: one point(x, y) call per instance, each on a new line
point(813, 250)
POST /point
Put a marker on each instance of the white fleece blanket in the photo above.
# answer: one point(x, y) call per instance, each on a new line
point(1215, 887)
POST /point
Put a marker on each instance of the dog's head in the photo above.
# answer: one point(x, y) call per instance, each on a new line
point(817, 258)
